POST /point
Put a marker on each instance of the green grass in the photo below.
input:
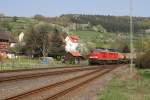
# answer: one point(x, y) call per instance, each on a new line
point(98, 38)
point(30, 63)
point(20, 63)
point(87, 35)
point(129, 89)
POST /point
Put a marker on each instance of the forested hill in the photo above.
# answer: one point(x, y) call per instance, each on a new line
point(16, 25)
point(111, 23)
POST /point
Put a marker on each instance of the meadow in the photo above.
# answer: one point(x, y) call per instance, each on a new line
point(130, 89)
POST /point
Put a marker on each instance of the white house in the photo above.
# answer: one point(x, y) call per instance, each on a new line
point(20, 39)
point(71, 43)
point(21, 36)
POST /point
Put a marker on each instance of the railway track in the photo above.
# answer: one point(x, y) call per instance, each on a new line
point(36, 69)
point(45, 73)
point(58, 89)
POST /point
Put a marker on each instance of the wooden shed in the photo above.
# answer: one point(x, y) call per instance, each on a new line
point(73, 57)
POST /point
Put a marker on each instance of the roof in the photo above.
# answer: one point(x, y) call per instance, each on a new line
point(73, 38)
point(105, 49)
point(6, 36)
point(75, 53)
point(4, 50)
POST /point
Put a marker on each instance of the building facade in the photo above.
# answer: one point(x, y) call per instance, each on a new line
point(71, 43)
point(5, 41)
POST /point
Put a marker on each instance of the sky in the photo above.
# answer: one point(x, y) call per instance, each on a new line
point(29, 8)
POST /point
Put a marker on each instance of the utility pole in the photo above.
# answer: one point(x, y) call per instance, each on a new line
point(76, 17)
point(142, 42)
point(131, 36)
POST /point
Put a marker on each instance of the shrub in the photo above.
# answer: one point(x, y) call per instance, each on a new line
point(143, 60)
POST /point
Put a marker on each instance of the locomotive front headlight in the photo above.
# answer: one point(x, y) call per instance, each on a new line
point(93, 57)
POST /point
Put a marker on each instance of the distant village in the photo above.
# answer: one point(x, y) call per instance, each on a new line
point(7, 42)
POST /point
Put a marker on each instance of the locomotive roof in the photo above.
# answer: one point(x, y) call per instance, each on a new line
point(105, 49)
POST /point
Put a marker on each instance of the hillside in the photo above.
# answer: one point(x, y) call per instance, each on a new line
point(96, 30)
point(111, 23)
point(16, 25)
point(75, 21)
point(103, 40)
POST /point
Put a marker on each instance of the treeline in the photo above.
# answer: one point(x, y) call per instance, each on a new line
point(111, 23)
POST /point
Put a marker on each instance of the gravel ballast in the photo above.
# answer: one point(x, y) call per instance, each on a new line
point(90, 91)
point(8, 89)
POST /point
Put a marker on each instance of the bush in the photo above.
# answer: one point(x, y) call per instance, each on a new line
point(143, 60)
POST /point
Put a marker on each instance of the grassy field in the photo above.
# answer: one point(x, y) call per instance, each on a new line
point(100, 39)
point(129, 89)
point(87, 35)
point(21, 63)
point(30, 63)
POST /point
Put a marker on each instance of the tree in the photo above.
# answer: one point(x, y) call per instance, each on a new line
point(39, 17)
point(2, 29)
point(57, 43)
point(84, 48)
point(99, 28)
point(143, 60)
point(126, 49)
point(5, 25)
point(120, 43)
point(37, 40)
point(15, 18)
point(44, 39)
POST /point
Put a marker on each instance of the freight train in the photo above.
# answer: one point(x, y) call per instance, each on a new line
point(106, 56)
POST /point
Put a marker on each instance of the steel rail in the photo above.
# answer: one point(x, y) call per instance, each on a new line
point(99, 72)
point(19, 77)
point(64, 92)
point(36, 69)
point(23, 95)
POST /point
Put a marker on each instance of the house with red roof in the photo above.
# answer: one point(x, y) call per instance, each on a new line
point(5, 40)
point(71, 43)
point(71, 48)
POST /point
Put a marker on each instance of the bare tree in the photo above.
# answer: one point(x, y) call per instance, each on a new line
point(37, 39)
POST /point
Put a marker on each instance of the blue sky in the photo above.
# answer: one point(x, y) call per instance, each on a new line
point(58, 7)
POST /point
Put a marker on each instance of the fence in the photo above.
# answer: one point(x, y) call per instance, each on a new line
point(24, 62)
point(27, 62)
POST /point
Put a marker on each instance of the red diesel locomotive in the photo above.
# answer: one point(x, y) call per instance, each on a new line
point(106, 56)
